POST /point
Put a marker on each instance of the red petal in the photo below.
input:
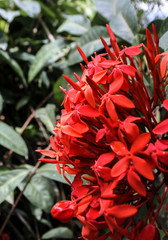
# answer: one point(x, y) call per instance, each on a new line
point(120, 167)
point(53, 144)
point(93, 213)
point(104, 172)
point(132, 51)
point(150, 43)
point(80, 127)
point(84, 203)
point(71, 131)
point(144, 168)
point(89, 96)
point(111, 110)
point(119, 148)
point(161, 128)
point(122, 101)
point(99, 76)
point(135, 182)
point(100, 134)
point(116, 85)
point(165, 104)
point(108, 63)
point(48, 153)
point(140, 142)
point(72, 83)
point(127, 69)
point(122, 211)
point(149, 232)
point(161, 144)
point(88, 111)
point(105, 158)
point(163, 65)
point(82, 54)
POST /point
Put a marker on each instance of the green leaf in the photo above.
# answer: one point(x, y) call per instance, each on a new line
point(46, 52)
point(163, 26)
point(10, 139)
point(106, 8)
point(22, 102)
point(59, 232)
point(58, 94)
point(90, 42)
point(46, 10)
point(3, 41)
point(121, 15)
point(13, 64)
point(1, 102)
point(9, 180)
point(163, 41)
point(39, 192)
point(76, 25)
point(47, 116)
point(8, 15)
point(44, 79)
point(23, 56)
point(121, 28)
point(31, 8)
point(49, 171)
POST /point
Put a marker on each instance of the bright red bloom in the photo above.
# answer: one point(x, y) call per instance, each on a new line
point(109, 136)
point(63, 211)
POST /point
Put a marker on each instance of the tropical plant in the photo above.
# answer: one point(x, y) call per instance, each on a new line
point(37, 45)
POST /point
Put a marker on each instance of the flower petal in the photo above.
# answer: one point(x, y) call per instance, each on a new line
point(161, 128)
point(105, 158)
point(88, 111)
point(122, 101)
point(119, 148)
point(120, 167)
point(122, 211)
point(143, 167)
point(140, 142)
point(135, 182)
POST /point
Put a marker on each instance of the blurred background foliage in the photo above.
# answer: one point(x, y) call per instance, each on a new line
point(37, 45)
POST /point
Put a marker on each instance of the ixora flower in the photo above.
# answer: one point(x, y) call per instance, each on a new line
point(110, 138)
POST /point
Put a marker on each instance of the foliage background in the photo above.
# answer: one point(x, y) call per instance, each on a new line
point(37, 45)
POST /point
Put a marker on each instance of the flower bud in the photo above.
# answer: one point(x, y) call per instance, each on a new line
point(63, 211)
point(149, 232)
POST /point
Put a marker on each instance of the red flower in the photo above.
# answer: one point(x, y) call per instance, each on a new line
point(108, 135)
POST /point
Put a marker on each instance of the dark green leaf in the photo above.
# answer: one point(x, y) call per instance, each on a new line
point(10, 139)
point(22, 102)
point(90, 42)
point(50, 171)
point(14, 65)
point(59, 232)
point(44, 55)
point(47, 116)
point(9, 180)
point(39, 192)
point(58, 94)
point(46, 10)
point(31, 8)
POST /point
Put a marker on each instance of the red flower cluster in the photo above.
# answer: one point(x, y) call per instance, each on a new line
point(110, 138)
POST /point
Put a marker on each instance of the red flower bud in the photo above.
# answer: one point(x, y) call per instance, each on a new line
point(63, 211)
point(149, 232)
